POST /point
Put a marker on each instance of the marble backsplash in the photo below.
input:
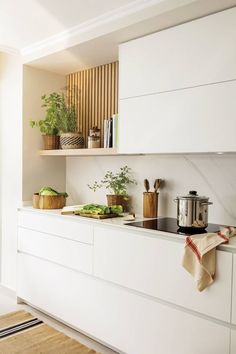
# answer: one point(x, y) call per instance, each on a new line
point(211, 175)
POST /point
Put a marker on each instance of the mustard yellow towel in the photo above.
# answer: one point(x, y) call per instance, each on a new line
point(200, 255)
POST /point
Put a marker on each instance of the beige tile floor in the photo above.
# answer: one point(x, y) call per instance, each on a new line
point(8, 304)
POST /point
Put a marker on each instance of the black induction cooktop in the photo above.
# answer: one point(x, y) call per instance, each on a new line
point(170, 225)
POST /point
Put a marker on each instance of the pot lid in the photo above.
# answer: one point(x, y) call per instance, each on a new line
point(193, 196)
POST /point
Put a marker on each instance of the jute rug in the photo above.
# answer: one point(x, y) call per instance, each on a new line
point(22, 333)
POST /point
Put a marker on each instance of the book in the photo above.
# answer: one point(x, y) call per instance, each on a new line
point(105, 133)
point(110, 132)
point(115, 130)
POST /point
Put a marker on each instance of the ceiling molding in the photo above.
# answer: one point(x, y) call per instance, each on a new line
point(9, 50)
point(96, 26)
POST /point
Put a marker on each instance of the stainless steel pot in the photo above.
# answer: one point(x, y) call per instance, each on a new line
point(192, 211)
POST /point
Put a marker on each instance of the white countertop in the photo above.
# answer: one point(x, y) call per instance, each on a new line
point(119, 222)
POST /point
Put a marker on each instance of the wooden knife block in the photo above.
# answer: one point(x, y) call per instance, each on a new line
point(150, 204)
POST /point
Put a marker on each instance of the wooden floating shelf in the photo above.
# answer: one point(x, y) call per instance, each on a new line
point(80, 152)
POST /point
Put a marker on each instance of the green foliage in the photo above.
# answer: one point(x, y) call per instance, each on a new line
point(94, 209)
point(59, 115)
point(117, 183)
point(67, 120)
point(49, 125)
point(51, 192)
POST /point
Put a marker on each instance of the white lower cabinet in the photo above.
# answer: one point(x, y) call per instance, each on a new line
point(233, 342)
point(129, 322)
point(69, 253)
point(56, 225)
point(152, 266)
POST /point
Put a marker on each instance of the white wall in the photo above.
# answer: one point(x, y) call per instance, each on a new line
point(211, 175)
point(39, 171)
point(22, 172)
point(11, 158)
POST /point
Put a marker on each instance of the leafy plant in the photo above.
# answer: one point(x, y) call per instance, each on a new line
point(67, 119)
point(116, 183)
point(49, 125)
point(59, 115)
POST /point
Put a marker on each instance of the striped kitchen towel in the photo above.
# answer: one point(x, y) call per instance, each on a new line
point(200, 255)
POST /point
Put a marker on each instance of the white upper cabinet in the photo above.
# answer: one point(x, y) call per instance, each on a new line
point(177, 89)
point(195, 53)
point(200, 119)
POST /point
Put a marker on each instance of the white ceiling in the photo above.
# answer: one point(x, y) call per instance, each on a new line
point(24, 22)
point(68, 36)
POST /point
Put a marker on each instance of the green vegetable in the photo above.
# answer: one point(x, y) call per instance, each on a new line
point(116, 209)
point(51, 192)
point(95, 209)
point(98, 209)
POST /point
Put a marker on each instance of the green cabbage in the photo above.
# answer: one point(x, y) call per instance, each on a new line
point(51, 192)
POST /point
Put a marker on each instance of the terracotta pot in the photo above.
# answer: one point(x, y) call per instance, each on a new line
point(71, 141)
point(124, 200)
point(51, 142)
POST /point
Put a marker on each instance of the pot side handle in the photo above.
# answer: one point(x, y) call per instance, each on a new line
point(206, 203)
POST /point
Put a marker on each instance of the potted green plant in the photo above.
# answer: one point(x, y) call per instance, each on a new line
point(70, 138)
point(49, 126)
point(117, 184)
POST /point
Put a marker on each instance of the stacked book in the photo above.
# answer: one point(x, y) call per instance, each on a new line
point(111, 132)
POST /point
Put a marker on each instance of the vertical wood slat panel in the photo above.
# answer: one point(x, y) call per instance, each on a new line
point(99, 100)
point(84, 103)
point(87, 105)
point(94, 92)
point(112, 87)
point(116, 86)
point(95, 120)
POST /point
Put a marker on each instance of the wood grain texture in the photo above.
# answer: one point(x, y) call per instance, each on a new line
point(51, 202)
point(150, 204)
point(94, 92)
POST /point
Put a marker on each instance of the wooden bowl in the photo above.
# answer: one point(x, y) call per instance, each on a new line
point(48, 201)
point(52, 202)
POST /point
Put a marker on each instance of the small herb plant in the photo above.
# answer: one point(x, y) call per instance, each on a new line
point(116, 183)
point(49, 125)
point(67, 119)
point(60, 117)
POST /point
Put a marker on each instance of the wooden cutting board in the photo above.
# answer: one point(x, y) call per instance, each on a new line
point(93, 216)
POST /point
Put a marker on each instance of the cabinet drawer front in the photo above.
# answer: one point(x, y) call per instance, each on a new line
point(164, 122)
point(153, 266)
point(66, 252)
point(57, 225)
point(120, 318)
point(191, 54)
